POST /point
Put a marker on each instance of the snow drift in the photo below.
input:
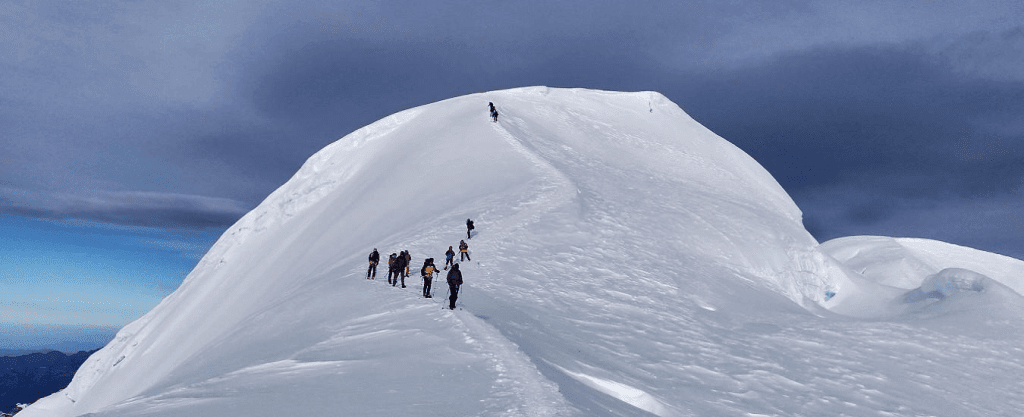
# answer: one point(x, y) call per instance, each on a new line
point(628, 261)
point(905, 262)
point(942, 278)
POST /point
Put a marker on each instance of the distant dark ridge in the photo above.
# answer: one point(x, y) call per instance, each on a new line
point(24, 338)
point(10, 352)
point(27, 378)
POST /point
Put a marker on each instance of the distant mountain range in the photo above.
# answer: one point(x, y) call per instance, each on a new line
point(26, 378)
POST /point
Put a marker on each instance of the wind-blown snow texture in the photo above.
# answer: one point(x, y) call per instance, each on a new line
point(627, 262)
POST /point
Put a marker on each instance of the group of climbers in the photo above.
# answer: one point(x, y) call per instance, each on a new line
point(398, 269)
point(398, 264)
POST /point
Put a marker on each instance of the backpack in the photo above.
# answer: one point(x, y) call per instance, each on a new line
point(470, 224)
point(426, 263)
point(456, 278)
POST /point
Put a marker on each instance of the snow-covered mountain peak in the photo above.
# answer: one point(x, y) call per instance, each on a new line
point(626, 260)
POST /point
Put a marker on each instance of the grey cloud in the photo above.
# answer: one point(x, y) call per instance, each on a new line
point(138, 209)
point(996, 55)
point(991, 224)
point(884, 117)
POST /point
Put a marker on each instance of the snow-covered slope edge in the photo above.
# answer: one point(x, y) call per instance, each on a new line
point(908, 275)
point(906, 262)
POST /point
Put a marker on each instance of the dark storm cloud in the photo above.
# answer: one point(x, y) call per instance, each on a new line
point(137, 209)
point(887, 118)
point(329, 65)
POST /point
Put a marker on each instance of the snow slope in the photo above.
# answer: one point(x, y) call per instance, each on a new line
point(628, 262)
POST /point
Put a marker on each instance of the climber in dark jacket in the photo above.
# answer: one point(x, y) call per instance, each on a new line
point(391, 266)
point(400, 263)
point(469, 229)
point(371, 272)
point(454, 283)
point(449, 257)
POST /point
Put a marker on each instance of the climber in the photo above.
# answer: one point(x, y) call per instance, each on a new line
point(449, 257)
point(427, 271)
point(454, 284)
point(371, 272)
